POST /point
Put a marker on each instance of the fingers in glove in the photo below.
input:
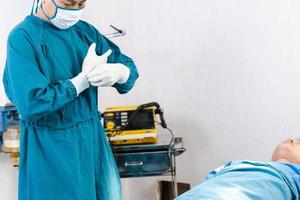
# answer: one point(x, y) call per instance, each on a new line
point(100, 59)
point(104, 82)
point(98, 78)
point(92, 49)
point(101, 84)
point(97, 71)
point(106, 55)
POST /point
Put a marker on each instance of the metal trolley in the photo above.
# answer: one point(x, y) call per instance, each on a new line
point(149, 160)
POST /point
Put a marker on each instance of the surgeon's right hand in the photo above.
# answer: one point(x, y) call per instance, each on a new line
point(91, 60)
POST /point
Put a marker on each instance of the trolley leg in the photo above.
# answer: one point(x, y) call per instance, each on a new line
point(174, 180)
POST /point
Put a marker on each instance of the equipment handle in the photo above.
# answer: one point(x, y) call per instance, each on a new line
point(134, 163)
point(158, 111)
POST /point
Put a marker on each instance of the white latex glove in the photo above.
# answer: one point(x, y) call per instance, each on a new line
point(91, 60)
point(106, 75)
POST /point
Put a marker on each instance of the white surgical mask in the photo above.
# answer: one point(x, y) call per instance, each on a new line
point(64, 17)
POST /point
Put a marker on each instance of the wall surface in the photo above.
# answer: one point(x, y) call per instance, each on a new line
point(12, 13)
point(226, 73)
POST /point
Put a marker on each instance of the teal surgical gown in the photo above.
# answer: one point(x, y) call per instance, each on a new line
point(64, 153)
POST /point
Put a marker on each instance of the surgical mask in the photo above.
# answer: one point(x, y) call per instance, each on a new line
point(64, 17)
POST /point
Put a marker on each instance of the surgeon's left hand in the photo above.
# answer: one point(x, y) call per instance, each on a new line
point(92, 60)
point(105, 75)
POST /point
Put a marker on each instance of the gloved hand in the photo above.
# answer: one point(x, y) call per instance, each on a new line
point(91, 60)
point(106, 75)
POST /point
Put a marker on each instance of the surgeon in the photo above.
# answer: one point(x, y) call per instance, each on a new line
point(55, 65)
point(254, 180)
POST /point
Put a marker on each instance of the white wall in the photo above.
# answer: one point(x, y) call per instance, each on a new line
point(12, 13)
point(226, 72)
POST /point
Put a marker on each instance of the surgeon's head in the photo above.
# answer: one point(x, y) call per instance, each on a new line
point(287, 151)
point(61, 13)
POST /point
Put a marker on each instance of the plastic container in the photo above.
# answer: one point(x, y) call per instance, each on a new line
point(11, 138)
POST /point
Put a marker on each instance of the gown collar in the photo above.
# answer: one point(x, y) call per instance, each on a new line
point(40, 21)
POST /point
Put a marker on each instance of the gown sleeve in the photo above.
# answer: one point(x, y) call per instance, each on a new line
point(103, 44)
point(26, 87)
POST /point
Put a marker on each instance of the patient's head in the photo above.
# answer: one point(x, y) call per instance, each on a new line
point(287, 151)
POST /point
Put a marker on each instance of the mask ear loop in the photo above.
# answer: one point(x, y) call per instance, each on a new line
point(35, 7)
point(56, 8)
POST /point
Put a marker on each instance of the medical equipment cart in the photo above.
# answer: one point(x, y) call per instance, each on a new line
point(149, 160)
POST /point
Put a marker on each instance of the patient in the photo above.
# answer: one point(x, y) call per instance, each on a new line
point(252, 180)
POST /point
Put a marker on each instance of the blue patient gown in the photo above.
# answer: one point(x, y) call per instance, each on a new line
point(64, 153)
point(248, 180)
